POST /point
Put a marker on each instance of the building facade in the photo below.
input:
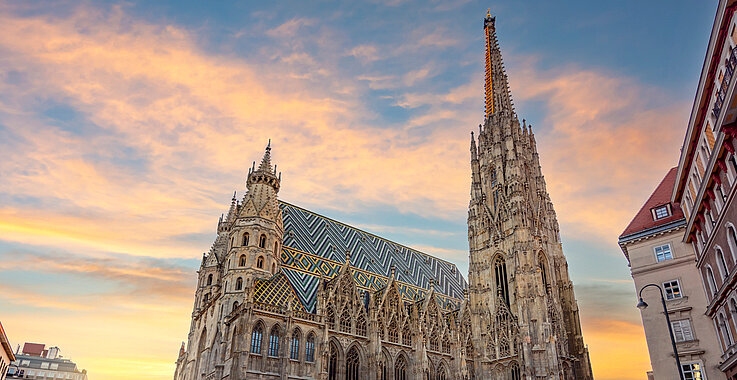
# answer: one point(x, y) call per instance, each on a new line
point(6, 353)
point(705, 180)
point(654, 247)
point(35, 361)
point(285, 293)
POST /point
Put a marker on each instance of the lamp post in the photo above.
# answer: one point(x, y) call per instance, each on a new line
point(642, 305)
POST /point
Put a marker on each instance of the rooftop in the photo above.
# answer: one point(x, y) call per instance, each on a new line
point(645, 218)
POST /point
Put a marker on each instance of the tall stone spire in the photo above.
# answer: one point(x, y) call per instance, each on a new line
point(496, 85)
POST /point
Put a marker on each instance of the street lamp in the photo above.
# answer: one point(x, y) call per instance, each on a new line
point(642, 305)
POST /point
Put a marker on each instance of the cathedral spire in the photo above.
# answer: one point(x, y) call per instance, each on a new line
point(496, 85)
point(266, 161)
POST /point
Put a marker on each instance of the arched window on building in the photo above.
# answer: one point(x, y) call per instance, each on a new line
point(543, 264)
point(310, 348)
point(242, 261)
point(400, 368)
point(209, 279)
point(514, 372)
point(262, 241)
point(733, 309)
point(442, 373)
point(712, 285)
point(500, 274)
point(406, 335)
point(256, 339)
point(446, 344)
point(239, 283)
point(245, 239)
point(721, 263)
point(234, 341)
point(333, 363)
point(393, 331)
point(345, 321)
point(380, 327)
point(294, 353)
point(434, 341)
point(274, 342)
point(330, 318)
point(732, 241)
point(724, 330)
point(361, 325)
point(352, 364)
point(235, 306)
point(260, 262)
point(276, 248)
point(382, 366)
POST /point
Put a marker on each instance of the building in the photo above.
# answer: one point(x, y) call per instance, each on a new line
point(704, 184)
point(286, 293)
point(6, 354)
point(656, 254)
point(35, 361)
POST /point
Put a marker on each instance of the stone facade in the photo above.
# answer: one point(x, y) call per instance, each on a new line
point(333, 314)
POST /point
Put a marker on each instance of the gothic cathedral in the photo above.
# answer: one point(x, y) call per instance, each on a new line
point(285, 293)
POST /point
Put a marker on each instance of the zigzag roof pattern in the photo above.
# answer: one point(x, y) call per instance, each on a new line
point(315, 246)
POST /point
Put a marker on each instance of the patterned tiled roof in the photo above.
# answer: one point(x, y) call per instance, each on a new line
point(315, 246)
point(276, 291)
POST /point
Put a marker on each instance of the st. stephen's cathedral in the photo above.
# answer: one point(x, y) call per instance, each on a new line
point(285, 293)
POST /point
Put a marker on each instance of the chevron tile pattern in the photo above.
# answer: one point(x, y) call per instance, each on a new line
point(315, 245)
point(276, 291)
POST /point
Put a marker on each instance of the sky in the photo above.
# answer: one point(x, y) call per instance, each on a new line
point(125, 127)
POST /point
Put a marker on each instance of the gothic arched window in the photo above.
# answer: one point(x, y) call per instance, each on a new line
point(543, 263)
point(345, 321)
point(256, 339)
point(276, 248)
point(382, 366)
point(400, 368)
point(721, 264)
point(242, 261)
point(234, 342)
point(330, 318)
point(274, 342)
point(361, 325)
point(294, 353)
point(352, 364)
point(514, 372)
point(333, 363)
point(712, 282)
point(393, 331)
point(235, 306)
point(245, 239)
point(209, 279)
point(434, 341)
point(260, 262)
point(239, 283)
point(262, 241)
point(446, 345)
point(441, 373)
point(310, 348)
point(500, 274)
point(406, 335)
point(380, 327)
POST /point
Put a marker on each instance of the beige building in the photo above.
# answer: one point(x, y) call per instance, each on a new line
point(285, 293)
point(6, 353)
point(654, 247)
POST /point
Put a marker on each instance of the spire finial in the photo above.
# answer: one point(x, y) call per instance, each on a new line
point(394, 269)
point(348, 257)
point(266, 161)
point(488, 12)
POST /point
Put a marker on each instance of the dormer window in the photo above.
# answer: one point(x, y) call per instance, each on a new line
point(661, 212)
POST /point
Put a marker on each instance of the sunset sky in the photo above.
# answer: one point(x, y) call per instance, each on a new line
point(126, 127)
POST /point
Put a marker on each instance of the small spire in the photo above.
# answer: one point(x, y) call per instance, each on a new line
point(394, 269)
point(488, 12)
point(432, 283)
point(266, 161)
point(348, 257)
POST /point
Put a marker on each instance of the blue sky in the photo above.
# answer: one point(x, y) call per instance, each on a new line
point(126, 127)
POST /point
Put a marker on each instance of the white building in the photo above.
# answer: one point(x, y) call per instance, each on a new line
point(37, 362)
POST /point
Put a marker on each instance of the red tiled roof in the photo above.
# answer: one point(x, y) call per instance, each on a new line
point(33, 349)
point(661, 196)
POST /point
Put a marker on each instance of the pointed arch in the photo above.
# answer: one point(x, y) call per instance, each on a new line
point(361, 324)
point(260, 262)
point(239, 283)
point(500, 275)
point(352, 363)
point(721, 263)
point(514, 371)
point(446, 344)
point(234, 341)
point(542, 262)
point(310, 347)
point(442, 373)
point(330, 317)
point(262, 241)
point(406, 334)
point(209, 279)
point(384, 365)
point(242, 261)
point(256, 337)
point(296, 337)
point(434, 341)
point(393, 331)
point(245, 239)
point(333, 361)
point(400, 367)
point(274, 341)
point(345, 321)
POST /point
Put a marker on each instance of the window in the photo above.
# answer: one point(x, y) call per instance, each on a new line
point(721, 264)
point(44, 365)
point(663, 252)
point(274, 342)
point(712, 282)
point(672, 289)
point(393, 331)
point(209, 279)
point(294, 354)
point(333, 363)
point(330, 319)
point(345, 322)
point(256, 339)
point(242, 261)
point(724, 329)
point(400, 369)
point(361, 325)
point(732, 240)
point(692, 371)
point(661, 212)
point(276, 248)
point(239, 283)
point(262, 242)
point(500, 271)
point(310, 348)
point(352, 364)
point(406, 335)
point(682, 330)
point(260, 262)
point(245, 239)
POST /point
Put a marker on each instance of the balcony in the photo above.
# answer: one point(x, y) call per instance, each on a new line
point(721, 94)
